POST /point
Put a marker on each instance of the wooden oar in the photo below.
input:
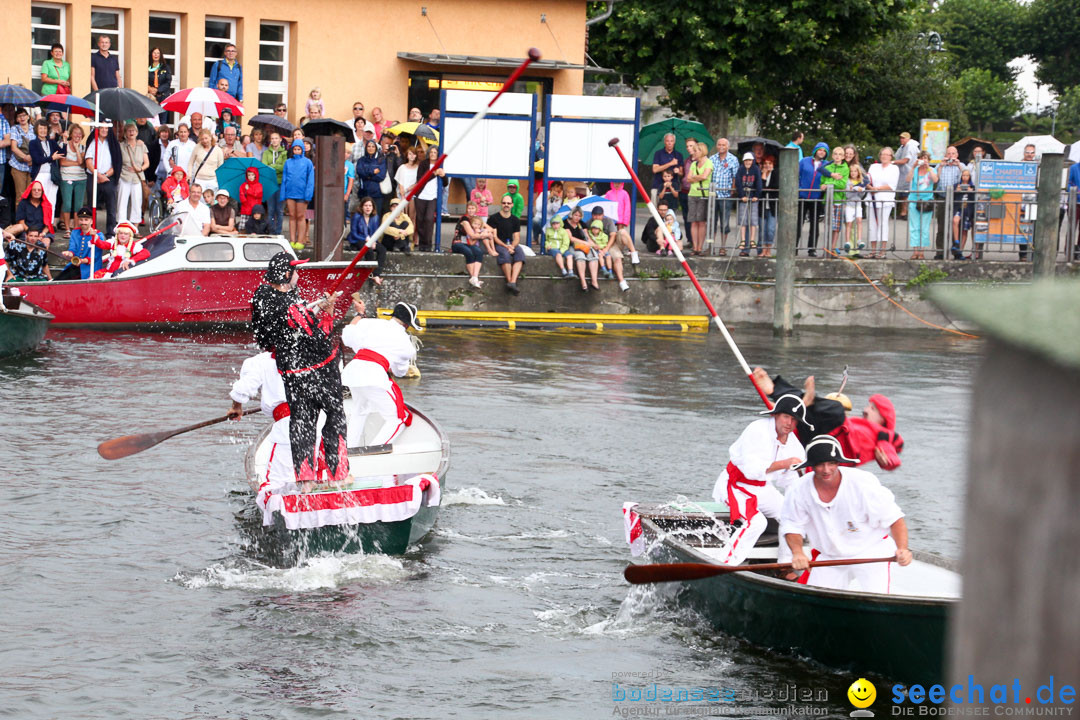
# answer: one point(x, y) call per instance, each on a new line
point(130, 444)
point(673, 572)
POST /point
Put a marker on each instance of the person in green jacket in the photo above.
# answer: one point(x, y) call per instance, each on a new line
point(518, 198)
point(557, 245)
point(274, 155)
point(835, 174)
point(55, 72)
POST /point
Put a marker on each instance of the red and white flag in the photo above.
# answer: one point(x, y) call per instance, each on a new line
point(632, 529)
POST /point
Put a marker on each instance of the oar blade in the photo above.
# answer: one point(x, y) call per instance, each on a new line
point(121, 447)
point(671, 572)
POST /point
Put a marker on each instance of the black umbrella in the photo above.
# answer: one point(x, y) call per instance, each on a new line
point(323, 127)
point(747, 146)
point(965, 147)
point(121, 104)
point(272, 121)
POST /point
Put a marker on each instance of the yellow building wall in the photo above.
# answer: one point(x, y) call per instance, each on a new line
point(349, 49)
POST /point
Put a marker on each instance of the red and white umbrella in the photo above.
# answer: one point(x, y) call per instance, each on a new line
point(207, 101)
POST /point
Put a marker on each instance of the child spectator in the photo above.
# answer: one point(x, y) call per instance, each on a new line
point(835, 174)
point(516, 197)
point(175, 186)
point(222, 216)
point(482, 197)
point(467, 242)
point(557, 245)
point(314, 107)
point(611, 256)
point(259, 224)
point(586, 252)
point(747, 188)
point(963, 216)
point(668, 192)
point(671, 222)
point(227, 120)
point(208, 197)
point(251, 194)
point(853, 210)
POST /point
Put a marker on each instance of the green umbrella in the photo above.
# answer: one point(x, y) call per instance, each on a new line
point(652, 135)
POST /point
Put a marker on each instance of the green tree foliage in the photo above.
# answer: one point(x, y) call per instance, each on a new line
point(1032, 124)
point(987, 99)
point(719, 57)
point(1053, 39)
point(982, 34)
point(1068, 115)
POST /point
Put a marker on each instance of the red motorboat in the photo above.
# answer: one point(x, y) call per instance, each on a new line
point(188, 282)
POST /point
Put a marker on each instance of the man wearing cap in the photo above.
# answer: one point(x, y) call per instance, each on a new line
point(844, 515)
point(764, 454)
point(79, 246)
point(383, 349)
point(301, 339)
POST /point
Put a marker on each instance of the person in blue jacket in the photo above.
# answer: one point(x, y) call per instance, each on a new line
point(297, 189)
point(370, 171)
point(364, 224)
point(810, 205)
point(228, 68)
point(79, 244)
point(1073, 182)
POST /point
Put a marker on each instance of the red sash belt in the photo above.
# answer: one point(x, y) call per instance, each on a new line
point(312, 367)
point(281, 410)
point(399, 400)
point(735, 479)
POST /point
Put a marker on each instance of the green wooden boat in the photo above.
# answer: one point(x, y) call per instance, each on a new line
point(22, 325)
point(900, 636)
point(376, 514)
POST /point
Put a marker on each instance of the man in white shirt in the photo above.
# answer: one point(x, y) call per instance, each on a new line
point(178, 152)
point(844, 515)
point(906, 155)
point(383, 349)
point(764, 454)
point(194, 214)
point(259, 376)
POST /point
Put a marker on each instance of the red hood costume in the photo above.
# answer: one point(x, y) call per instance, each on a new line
point(46, 206)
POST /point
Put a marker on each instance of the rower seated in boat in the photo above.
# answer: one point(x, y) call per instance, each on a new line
point(870, 437)
point(844, 514)
point(83, 242)
point(26, 255)
point(382, 350)
point(764, 454)
point(125, 250)
point(259, 376)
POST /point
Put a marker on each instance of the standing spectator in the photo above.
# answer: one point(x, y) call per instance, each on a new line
point(158, 80)
point(297, 189)
point(1073, 181)
point(371, 171)
point(251, 194)
point(229, 69)
point(424, 202)
point(104, 66)
point(511, 256)
point(516, 197)
point(905, 161)
point(358, 112)
point(5, 154)
point(159, 161)
point(227, 121)
point(977, 154)
point(747, 185)
point(135, 159)
point(378, 122)
point(700, 177)
point(622, 221)
point(56, 127)
point(668, 194)
point(964, 214)
point(835, 174)
point(433, 119)
point(684, 180)
point(884, 178)
point(1027, 210)
point(796, 142)
point(853, 209)
point(56, 72)
point(770, 196)
point(230, 144)
point(22, 133)
point(667, 158)
point(107, 175)
point(725, 165)
point(948, 171)
point(389, 150)
point(281, 110)
point(921, 212)
point(274, 156)
point(257, 144)
point(810, 197)
point(405, 175)
point(43, 153)
point(206, 158)
point(178, 153)
point(482, 197)
point(197, 123)
point(415, 115)
point(72, 175)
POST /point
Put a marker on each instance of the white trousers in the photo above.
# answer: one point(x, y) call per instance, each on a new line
point(872, 577)
point(770, 502)
point(368, 400)
point(280, 467)
point(878, 214)
point(129, 192)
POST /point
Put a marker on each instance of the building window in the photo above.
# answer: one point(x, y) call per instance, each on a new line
point(219, 32)
point(109, 23)
point(273, 66)
point(165, 34)
point(47, 26)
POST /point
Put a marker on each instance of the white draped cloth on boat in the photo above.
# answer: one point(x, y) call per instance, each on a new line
point(303, 511)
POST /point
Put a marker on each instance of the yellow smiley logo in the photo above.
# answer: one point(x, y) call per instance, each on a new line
point(862, 693)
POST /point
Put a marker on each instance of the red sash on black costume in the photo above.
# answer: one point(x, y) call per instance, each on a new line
point(399, 400)
point(735, 479)
point(281, 410)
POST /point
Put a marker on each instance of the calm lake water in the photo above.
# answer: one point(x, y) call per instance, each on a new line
point(129, 588)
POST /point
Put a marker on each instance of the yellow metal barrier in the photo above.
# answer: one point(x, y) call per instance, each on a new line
point(548, 321)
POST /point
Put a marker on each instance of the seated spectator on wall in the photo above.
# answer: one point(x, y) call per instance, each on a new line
point(468, 241)
point(508, 250)
point(557, 245)
point(33, 209)
point(649, 234)
point(194, 213)
point(222, 216)
point(611, 257)
point(586, 253)
point(620, 238)
point(398, 235)
point(259, 224)
point(364, 224)
point(27, 260)
point(553, 199)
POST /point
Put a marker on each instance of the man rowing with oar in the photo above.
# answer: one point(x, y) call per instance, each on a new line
point(259, 376)
point(306, 353)
point(764, 454)
point(870, 437)
point(844, 515)
point(383, 349)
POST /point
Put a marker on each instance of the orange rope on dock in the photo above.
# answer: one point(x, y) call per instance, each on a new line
point(894, 302)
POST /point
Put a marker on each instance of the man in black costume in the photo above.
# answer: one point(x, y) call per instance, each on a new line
point(306, 352)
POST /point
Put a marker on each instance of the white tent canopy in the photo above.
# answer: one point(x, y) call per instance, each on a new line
point(1074, 152)
point(1042, 143)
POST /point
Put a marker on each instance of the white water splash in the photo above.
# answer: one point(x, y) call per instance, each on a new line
point(471, 496)
point(313, 574)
